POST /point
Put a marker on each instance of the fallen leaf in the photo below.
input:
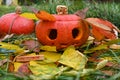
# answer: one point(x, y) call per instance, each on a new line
point(82, 13)
point(108, 34)
point(82, 73)
point(17, 65)
point(11, 64)
point(105, 22)
point(101, 64)
point(50, 56)
point(110, 42)
point(102, 27)
point(91, 38)
point(108, 72)
point(29, 58)
point(49, 48)
point(9, 46)
point(4, 52)
point(24, 69)
point(95, 22)
point(87, 72)
point(73, 58)
point(31, 45)
point(2, 62)
point(43, 69)
point(2, 35)
point(114, 46)
point(6, 37)
point(45, 16)
point(99, 47)
point(96, 34)
point(29, 16)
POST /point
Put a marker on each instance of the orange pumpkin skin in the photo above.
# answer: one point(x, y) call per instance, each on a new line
point(65, 31)
point(14, 23)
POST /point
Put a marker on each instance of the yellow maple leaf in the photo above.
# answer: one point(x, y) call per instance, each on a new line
point(73, 58)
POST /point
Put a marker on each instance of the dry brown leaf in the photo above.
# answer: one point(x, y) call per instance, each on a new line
point(108, 72)
point(102, 29)
point(11, 65)
point(114, 46)
point(2, 35)
point(24, 68)
point(29, 58)
point(2, 62)
point(7, 36)
point(31, 45)
point(95, 22)
point(82, 13)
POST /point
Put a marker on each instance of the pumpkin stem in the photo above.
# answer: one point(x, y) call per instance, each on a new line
point(62, 9)
point(18, 10)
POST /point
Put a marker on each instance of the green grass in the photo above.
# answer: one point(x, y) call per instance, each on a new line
point(109, 11)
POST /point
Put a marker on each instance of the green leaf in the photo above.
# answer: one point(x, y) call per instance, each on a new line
point(73, 58)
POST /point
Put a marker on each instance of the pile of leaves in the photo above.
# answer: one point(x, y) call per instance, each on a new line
point(25, 58)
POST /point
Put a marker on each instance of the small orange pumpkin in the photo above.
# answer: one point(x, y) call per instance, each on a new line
point(68, 29)
point(14, 23)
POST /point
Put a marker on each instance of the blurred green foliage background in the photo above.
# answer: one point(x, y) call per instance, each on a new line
point(105, 9)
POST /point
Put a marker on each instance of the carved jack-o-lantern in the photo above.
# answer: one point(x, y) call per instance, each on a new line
point(68, 29)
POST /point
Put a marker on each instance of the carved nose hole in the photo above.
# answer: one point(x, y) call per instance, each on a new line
point(75, 32)
point(53, 34)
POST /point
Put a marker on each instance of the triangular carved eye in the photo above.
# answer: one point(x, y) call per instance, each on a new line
point(75, 32)
point(52, 34)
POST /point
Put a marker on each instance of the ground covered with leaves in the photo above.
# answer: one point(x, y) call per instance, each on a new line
point(22, 57)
